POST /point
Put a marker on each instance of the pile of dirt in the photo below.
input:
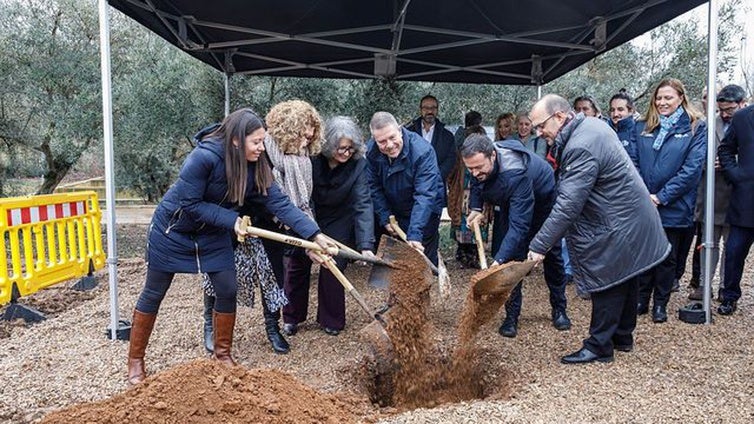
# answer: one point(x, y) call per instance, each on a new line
point(205, 391)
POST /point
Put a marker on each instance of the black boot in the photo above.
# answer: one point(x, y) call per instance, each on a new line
point(271, 320)
point(659, 314)
point(209, 342)
point(509, 328)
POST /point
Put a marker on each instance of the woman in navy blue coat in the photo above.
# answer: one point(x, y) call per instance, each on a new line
point(192, 227)
point(668, 148)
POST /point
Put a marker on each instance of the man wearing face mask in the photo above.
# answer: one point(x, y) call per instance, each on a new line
point(513, 178)
point(604, 211)
point(405, 181)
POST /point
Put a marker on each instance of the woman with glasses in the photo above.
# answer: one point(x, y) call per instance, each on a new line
point(343, 208)
point(668, 147)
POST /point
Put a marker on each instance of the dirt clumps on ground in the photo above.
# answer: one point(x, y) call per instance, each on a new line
point(205, 391)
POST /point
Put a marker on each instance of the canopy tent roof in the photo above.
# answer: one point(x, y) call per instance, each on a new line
point(474, 41)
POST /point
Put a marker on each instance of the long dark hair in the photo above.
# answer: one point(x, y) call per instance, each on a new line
point(237, 126)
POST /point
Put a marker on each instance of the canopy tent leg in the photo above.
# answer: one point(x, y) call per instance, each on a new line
point(107, 126)
point(227, 93)
point(709, 199)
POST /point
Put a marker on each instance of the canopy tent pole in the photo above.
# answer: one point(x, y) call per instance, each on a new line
point(227, 93)
point(107, 127)
point(539, 91)
point(709, 199)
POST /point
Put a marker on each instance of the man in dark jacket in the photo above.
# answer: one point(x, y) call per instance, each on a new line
point(405, 181)
point(522, 184)
point(729, 100)
point(736, 155)
point(612, 229)
point(431, 129)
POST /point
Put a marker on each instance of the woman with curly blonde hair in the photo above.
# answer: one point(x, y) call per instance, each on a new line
point(294, 132)
point(294, 136)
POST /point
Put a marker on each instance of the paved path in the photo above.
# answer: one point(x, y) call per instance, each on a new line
point(141, 214)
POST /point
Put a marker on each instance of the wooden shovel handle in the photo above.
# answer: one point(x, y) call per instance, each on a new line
point(246, 222)
point(397, 228)
point(479, 245)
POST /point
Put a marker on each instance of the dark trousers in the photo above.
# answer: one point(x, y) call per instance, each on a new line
point(685, 240)
point(556, 282)
point(331, 309)
point(613, 317)
point(158, 283)
point(737, 248)
point(658, 282)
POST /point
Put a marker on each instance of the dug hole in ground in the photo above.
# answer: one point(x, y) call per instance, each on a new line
point(677, 372)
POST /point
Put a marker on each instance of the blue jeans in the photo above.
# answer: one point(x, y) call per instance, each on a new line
point(737, 248)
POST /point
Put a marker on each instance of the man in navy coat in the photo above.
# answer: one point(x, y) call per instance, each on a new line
point(522, 184)
point(405, 182)
point(736, 154)
point(433, 131)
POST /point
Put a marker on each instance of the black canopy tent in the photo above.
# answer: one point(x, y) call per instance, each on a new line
point(474, 41)
point(528, 42)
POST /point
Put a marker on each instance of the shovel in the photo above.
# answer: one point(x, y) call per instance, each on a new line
point(374, 333)
point(340, 252)
point(443, 281)
point(499, 279)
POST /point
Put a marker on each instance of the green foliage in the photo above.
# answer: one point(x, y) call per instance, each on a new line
point(50, 100)
point(50, 88)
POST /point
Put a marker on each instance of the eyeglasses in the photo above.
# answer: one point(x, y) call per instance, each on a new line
point(541, 125)
point(345, 150)
point(730, 110)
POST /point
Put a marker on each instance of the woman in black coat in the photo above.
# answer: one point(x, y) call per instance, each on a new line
point(343, 209)
point(192, 227)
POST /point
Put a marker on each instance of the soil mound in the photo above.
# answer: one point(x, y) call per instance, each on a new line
point(205, 391)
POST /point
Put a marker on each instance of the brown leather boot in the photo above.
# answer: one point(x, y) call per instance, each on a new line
point(224, 324)
point(141, 329)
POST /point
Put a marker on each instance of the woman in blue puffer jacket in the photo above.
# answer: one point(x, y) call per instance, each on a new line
point(192, 227)
point(668, 147)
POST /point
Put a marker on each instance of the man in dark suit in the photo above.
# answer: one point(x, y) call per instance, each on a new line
point(431, 129)
point(736, 154)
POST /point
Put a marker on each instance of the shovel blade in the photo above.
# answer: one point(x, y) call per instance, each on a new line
point(500, 279)
point(388, 251)
point(380, 345)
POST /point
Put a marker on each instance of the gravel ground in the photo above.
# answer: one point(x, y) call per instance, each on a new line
point(677, 372)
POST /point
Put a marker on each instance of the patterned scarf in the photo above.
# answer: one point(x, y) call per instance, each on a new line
point(253, 269)
point(666, 123)
point(293, 173)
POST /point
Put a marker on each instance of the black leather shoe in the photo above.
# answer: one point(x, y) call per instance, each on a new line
point(727, 307)
point(585, 356)
point(561, 321)
point(623, 348)
point(330, 331)
point(659, 314)
point(209, 338)
point(509, 328)
point(642, 308)
point(290, 329)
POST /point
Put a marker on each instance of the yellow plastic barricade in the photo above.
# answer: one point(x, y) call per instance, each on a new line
point(47, 239)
